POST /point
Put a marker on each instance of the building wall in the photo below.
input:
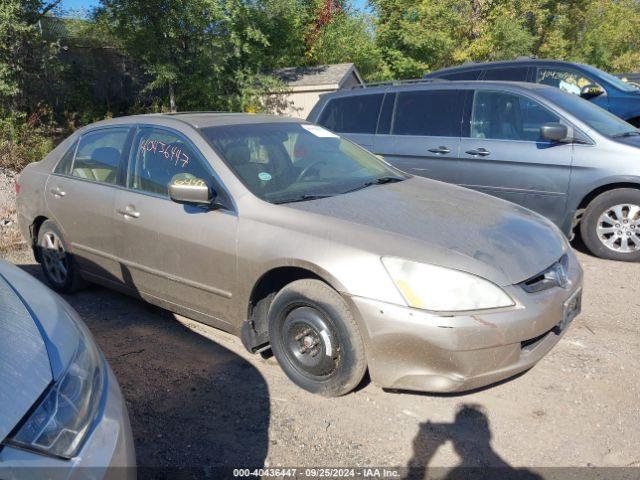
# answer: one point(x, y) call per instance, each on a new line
point(296, 104)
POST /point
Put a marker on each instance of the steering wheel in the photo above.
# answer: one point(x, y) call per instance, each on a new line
point(308, 168)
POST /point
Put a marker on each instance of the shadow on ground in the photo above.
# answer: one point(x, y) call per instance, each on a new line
point(194, 405)
point(470, 435)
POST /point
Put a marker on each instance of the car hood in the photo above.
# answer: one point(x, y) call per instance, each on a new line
point(37, 340)
point(633, 141)
point(430, 221)
point(25, 371)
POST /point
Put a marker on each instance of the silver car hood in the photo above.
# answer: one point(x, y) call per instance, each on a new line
point(450, 226)
point(25, 371)
point(38, 337)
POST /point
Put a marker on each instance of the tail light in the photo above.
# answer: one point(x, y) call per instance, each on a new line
point(17, 185)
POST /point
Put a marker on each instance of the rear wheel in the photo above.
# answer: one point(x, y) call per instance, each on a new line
point(315, 338)
point(611, 225)
point(58, 265)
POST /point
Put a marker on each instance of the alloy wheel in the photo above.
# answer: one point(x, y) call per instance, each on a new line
point(55, 257)
point(618, 228)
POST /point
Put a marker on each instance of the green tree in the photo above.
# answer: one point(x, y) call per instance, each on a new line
point(26, 59)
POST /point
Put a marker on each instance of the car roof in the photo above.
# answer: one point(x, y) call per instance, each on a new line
point(526, 61)
point(438, 85)
point(196, 120)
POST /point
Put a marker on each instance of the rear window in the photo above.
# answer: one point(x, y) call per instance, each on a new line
point(356, 114)
point(512, 74)
point(433, 113)
point(99, 154)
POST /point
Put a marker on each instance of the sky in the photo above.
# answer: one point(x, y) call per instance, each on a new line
point(88, 4)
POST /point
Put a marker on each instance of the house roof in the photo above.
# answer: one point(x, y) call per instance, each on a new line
point(335, 74)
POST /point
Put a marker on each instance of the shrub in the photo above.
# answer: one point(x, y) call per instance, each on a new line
point(23, 139)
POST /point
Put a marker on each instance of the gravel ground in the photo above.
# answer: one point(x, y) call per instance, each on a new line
point(195, 397)
point(9, 233)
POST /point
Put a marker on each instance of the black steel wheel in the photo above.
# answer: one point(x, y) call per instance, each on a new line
point(315, 338)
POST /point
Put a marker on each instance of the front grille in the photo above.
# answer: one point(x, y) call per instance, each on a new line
point(554, 276)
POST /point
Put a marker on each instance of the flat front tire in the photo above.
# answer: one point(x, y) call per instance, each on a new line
point(610, 227)
point(58, 264)
point(316, 339)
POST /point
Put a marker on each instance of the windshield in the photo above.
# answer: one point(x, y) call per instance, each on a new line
point(615, 81)
point(595, 117)
point(286, 162)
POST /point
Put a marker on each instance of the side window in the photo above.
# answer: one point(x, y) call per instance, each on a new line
point(512, 74)
point(507, 116)
point(355, 114)
point(570, 81)
point(433, 113)
point(386, 114)
point(64, 165)
point(99, 153)
point(467, 75)
point(157, 156)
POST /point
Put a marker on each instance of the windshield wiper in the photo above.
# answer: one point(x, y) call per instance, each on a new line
point(377, 181)
point(630, 133)
point(302, 198)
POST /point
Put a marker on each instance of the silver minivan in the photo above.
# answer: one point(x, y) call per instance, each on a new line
point(534, 145)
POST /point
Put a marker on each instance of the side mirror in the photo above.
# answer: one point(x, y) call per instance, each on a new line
point(190, 190)
point(556, 132)
point(591, 91)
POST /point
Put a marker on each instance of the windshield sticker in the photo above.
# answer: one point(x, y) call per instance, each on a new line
point(264, 176)
point(319, 131)
point(168, 151)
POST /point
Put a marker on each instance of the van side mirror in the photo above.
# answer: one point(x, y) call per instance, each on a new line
point(591, 91)
point(190, 190)
point(555, 132)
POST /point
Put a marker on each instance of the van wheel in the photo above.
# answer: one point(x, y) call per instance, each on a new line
point(58, 265)
point(315, 338)
point(611, 225)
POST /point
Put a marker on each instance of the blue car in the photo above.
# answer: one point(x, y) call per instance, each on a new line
point(605, 90)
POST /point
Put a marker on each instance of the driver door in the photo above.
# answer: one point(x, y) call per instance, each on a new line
point(181, 255)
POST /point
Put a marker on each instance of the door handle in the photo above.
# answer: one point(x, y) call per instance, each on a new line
point(129, 211)
point(440, 150)
point(57, 192)
point(479, 152)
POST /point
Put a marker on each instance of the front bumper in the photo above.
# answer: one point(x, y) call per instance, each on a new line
point(411, 349)
point(108, 452)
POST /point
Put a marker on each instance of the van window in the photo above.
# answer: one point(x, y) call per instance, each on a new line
point(507, 116)
point(432, 113)
point(466, 75)
point(511, 74)
point(571, 81)
point(355, 114)
point(99, 154)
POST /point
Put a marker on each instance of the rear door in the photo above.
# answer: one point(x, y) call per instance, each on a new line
point(180, 254)
point(503, 154)
point(424, 133)
point(80, 193)
point(354, 117)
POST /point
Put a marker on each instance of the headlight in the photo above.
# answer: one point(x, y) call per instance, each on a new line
point(60, 423)
point(442, 289)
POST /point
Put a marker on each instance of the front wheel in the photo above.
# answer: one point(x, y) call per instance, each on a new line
point(315, 338)
point(610, 227)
